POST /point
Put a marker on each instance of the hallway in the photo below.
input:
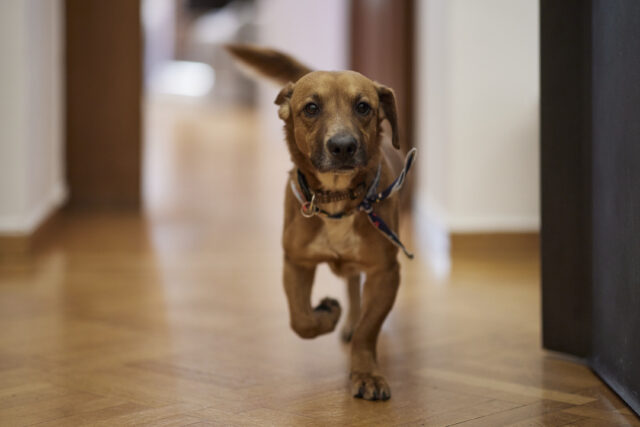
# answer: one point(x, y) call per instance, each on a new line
point(177, 317)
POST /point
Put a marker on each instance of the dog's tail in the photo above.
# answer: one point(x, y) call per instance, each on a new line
point(272, 64)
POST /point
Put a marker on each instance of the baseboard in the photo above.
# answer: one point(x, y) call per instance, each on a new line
point(495, 242)
point(432, 235)
point(493, 223)
point(21, 245)
point(18, 225)
point(19, 235)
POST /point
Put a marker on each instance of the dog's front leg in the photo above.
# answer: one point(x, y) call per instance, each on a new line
point(379, 294)
point(353, 289)
point(306, 321)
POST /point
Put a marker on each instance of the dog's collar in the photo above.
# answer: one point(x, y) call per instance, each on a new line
point(309, 200)
point(325, 197)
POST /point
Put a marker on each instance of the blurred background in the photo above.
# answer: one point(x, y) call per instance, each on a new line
point(142, 179)
point(98, 90)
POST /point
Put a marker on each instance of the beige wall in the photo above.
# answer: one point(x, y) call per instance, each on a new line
point(12, 111)
point(31, 113)
point(477, 115)
point(314, 32)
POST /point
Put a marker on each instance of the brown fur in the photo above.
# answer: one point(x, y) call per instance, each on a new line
point(272, 64)
point(350, 246)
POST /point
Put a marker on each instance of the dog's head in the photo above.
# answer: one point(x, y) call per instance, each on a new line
point(334, 117)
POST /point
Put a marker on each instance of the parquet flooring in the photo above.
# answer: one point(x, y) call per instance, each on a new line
point(177, 316)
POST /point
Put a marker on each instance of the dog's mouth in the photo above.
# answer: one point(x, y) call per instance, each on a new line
point(344, 169)
point(340, 169)
point(323, 162)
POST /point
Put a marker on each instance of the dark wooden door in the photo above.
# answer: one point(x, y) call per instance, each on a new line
point(103, 102)
point(590, 140)
point(382, 38)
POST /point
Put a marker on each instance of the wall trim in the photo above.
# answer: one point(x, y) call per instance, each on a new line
point(432, 234)
point(23, 225)
point(503, 242)
point(493, 223)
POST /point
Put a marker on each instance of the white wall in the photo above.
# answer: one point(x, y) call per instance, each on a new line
point(31, 113)
point(477, 114)
point(317, 33)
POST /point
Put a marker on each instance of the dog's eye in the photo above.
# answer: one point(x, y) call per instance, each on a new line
point(311, 109)
point(363, 108)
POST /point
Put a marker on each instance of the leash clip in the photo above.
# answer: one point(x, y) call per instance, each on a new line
point(308, 209)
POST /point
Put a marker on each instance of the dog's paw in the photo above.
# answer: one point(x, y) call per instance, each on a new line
point(328, 304)
point(327, 314)
point(369, 386)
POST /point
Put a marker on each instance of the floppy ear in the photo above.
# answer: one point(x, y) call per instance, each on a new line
point(283, 98)
point(388, 105)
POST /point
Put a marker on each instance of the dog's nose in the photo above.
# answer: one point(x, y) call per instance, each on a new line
point(342, 147)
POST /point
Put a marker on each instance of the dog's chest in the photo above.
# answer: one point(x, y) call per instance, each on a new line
point(337, 238)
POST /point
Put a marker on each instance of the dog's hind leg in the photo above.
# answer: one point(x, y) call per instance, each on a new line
point(353, 291)
point(306, 321)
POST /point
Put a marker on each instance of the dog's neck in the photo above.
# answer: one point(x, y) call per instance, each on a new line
point(338, 192)
point(330, 181)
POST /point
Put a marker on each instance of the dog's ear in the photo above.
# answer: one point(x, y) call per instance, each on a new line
point(283, 98)
point(269, 63)
point(388, 106)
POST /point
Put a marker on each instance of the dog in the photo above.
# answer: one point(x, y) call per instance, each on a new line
point(334, 212)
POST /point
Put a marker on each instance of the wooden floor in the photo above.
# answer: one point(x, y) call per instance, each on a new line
point(177, 317)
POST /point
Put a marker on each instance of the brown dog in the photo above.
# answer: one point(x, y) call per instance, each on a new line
point(333, 125)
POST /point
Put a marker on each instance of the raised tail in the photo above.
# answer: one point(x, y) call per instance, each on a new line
point(272, 64)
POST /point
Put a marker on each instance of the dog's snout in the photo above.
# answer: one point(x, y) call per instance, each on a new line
point(342, 147)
